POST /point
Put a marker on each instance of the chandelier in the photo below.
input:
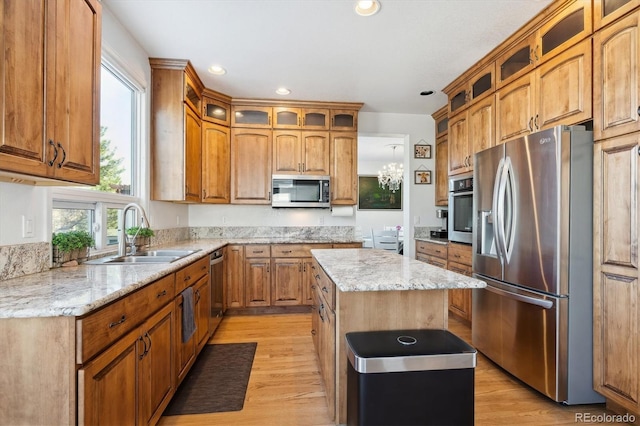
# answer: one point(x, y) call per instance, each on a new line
point(391, 175)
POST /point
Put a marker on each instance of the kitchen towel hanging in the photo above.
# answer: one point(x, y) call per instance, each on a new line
point(188, 318)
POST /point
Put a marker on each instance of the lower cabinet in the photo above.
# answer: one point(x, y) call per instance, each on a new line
point(185, 350)
point(134, 374)
point(234, 276)
point(454, 257)
point(202, 311)
point(616, 289)
point(287, 281)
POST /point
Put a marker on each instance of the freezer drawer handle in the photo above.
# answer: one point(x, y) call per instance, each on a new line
point(546, 304)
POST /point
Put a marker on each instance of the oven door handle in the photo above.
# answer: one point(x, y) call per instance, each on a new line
point(217, 260)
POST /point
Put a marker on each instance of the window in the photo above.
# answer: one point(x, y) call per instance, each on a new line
point(99, 209)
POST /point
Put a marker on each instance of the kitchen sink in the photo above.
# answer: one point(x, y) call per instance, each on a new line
point(143, 257)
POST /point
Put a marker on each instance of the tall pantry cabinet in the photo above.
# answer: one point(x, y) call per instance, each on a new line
point(616, 103)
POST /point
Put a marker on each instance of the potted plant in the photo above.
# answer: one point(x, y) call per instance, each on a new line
point(142, 236)
point(71, 245)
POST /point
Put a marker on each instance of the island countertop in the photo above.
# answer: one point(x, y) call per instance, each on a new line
point(381, 270)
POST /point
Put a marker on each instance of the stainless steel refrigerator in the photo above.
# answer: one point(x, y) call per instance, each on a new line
point(532, 245)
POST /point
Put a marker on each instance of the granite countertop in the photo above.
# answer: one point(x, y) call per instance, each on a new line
point(381, 270)
point(428, 239)
point(78, 290)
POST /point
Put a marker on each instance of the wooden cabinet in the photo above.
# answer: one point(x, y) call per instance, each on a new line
point(216, 107)
point(216, 163)
point(257, 276)
point(234, 276)
point(301, 118)
point(344, 168)
point(202, 311)
point(134, 375)
point(432, 253)
point(344, 120)
point(459, 260)
point(185, 351)
point(442, 156)
point(616, 90)
point(469, 132)
point(557, 92)
point(251, 116)
point(50, 90)
point(300, 152)
point(251, 151)
point(478, 86)
point(176, 141)
point(608, 11)
point(616, 303)
point(287, 281)
point(560, 30)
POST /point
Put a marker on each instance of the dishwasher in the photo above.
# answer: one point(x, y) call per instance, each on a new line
point(217, 289)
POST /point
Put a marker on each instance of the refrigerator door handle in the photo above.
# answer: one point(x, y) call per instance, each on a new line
point(509, 197)
point(545, 304)
point(496, 211)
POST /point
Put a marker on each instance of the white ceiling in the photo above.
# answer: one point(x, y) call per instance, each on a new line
point(321, 50)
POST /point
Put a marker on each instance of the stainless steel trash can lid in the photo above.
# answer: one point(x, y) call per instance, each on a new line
point(393, 351)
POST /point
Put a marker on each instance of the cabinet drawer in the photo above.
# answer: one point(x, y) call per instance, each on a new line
point(325, 286)
point(103, 327)
point(460, 268)
point(435, 261)
point(432, 249)
point(296, 250)
point(459, 253)
point(344, 245)
point(188, 275)
point(260, 250)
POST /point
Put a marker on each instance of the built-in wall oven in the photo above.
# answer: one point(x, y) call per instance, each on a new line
point(461, 208)
point(217, 288)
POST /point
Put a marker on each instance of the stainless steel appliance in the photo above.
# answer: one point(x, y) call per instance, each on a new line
point(532, 245)
point(217, 289)
point(300, 191)
point(442, 231)
point(461, 208)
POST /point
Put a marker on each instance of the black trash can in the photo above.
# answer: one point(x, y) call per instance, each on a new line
point(409, 377)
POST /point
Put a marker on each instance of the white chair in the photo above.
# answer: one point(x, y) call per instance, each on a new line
point(387, 240)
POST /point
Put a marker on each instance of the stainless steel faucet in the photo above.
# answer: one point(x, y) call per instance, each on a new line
point(122, 238)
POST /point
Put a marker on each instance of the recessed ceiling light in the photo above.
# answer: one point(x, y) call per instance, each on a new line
point(217, 70)
point(367, 7)
point(426, 93)
point(283, 91)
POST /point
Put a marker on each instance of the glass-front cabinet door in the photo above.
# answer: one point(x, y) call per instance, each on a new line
point(287, 118)
point(515, 62)
point(251, 116)
point(344, 119)
point(564, 30)
point(607, 11)
point(216, 111)
point(315, 119)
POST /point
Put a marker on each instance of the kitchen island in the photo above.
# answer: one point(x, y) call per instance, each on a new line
point(364, 290)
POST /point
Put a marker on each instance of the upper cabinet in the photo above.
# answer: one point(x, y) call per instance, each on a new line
point(300, 152)
point(216, 163)
point(564, 28)
point(480, 85)
point(50, 122)
point(251, 116)
point(557, 92)
point(442, 156)
point(251, 151)
point(300, 118)
point(344, 168)
point(470, 132)
point(176, 145)
point(344, 120)
point(616, 88)
point(608, 11)
point(216, 107)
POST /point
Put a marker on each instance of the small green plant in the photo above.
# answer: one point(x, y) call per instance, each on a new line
point(72, 240)
point(144, 231)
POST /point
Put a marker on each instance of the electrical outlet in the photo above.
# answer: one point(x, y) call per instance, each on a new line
point(177, 220)
point(224, 220)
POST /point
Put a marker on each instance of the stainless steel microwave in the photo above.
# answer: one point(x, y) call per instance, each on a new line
point(300, 191)
point(461, 208)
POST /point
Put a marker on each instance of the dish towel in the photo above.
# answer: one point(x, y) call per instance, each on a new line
point(188, 318)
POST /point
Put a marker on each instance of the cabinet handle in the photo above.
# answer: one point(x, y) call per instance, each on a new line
point(120, 321)
point(299, 121)
point(187, 278)
point(530, 56)
point(325, 289)
point(531, 124)
point(304, 268)
point(197, 296)
point(269, 196)
point(313, 332)
point(162, 293)
point(536, 121)
point(535, 53)
point(55, 149)
point(149, 338)
point(64, 155)
point(286, 251)
point(299, 168)
point(204, 193)
point(267, 268)
point(259, 251)
point(639, 110)
point(144, 350)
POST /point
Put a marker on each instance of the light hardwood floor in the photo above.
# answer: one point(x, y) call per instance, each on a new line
point(285, 387)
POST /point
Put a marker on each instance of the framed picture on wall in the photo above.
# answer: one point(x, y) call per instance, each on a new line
point(421, 151)
point(372, 197)
point(422, 177)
